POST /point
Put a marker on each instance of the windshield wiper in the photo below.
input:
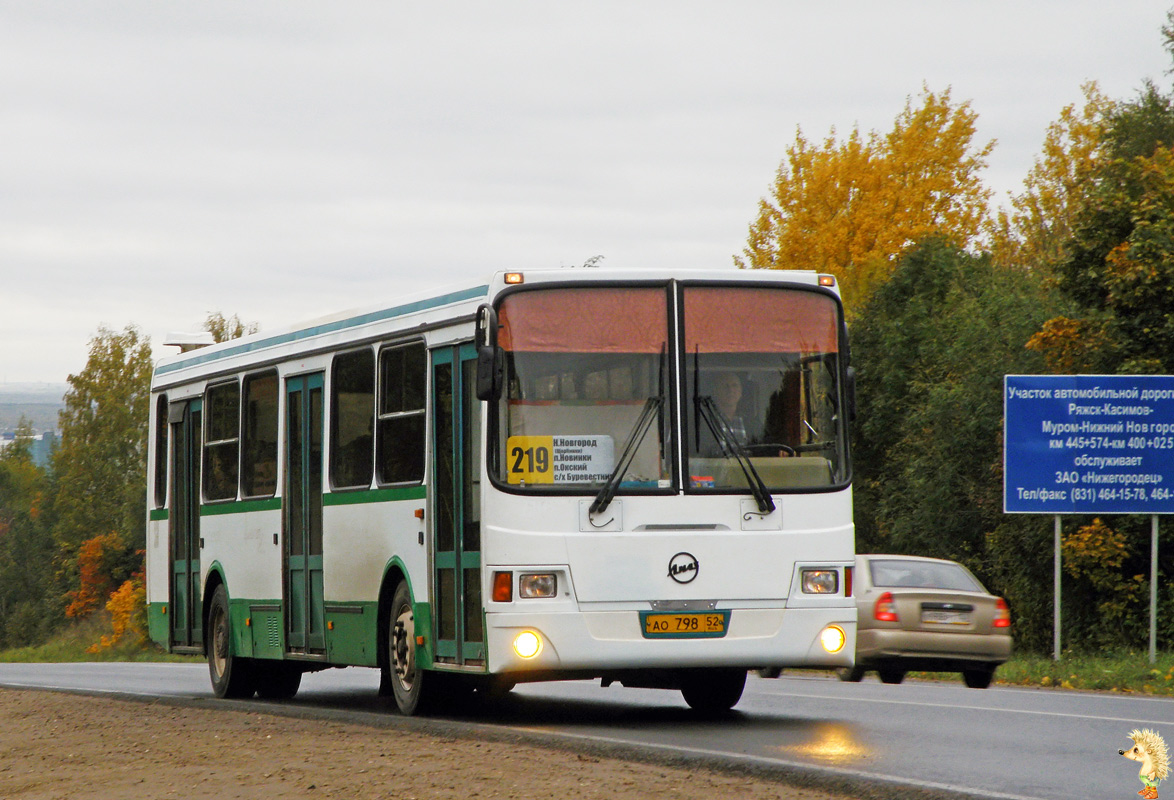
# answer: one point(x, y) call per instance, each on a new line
point(639, 430)
point(732, 448)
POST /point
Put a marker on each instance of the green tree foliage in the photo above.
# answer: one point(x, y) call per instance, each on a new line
point(28, 605)
point(849, 208)
point(101, 460)
point(1116, 272)
point(1119, 269)
point(931, 348)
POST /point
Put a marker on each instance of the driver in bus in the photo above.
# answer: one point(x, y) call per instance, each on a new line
point(727, 395)
point(727, 399)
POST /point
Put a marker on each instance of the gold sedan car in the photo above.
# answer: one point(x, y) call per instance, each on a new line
point(928, 615)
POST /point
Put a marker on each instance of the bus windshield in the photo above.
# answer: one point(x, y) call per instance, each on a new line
point(588, 390)
point(582, 366)
point(762, 383)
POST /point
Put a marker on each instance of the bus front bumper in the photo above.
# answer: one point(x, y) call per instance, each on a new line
point(604, 641)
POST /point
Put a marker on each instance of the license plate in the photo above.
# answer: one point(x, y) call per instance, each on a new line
point(946, 617)
point(683, 626)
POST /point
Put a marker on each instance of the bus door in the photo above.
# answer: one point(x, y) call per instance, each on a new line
point(302, 517)
point(456, 515)
point(187, 629)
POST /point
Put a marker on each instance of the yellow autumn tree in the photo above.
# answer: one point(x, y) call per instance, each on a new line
point(1033, 232)
point(850, 207)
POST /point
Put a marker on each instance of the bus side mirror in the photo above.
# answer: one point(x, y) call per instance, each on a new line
point(490, 372)
point(490, 358)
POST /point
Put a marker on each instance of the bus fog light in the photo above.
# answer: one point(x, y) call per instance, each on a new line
point(527, 644)
point(538, 585)
point(820, 581)
point(833, 639)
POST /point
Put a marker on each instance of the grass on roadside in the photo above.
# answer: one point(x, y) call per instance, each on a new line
point(75, 643)
point(1113, 672)
point(1106, 672)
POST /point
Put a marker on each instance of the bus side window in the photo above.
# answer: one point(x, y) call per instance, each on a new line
point(259, 439)
point(161, 454)
point(222, 441)
point(403, 377)
point(352, 419)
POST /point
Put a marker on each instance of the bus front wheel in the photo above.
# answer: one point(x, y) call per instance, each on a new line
point(713, 691)
point(408, 681)
point(231, 675)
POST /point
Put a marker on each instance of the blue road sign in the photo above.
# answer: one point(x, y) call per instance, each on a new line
point(1088, 444)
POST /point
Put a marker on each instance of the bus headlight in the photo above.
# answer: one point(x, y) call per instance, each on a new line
point(820, 581)
point(832, 638)
point(538, 585)
point(527, 644)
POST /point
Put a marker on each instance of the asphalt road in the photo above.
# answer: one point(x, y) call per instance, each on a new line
point(940, 738)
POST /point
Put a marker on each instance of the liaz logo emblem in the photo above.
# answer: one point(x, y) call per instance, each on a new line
point(683, 567)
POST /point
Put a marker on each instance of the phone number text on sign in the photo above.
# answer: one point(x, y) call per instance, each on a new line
point(560, 459)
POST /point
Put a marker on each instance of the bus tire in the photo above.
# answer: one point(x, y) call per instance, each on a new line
point(713, 691)
point(408, 681)
point(232, 676)
point(276, 680)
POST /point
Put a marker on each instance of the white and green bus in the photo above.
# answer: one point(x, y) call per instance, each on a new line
point(641, 477)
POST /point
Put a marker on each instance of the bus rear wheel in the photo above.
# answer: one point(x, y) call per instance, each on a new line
point(713, 691)
point(232, 676)
point(276, 680)
point(410, 685)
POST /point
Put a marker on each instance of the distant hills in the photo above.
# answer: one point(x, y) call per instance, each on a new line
point(36, 402)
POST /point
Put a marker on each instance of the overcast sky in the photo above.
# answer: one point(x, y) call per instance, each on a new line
point(283, 160)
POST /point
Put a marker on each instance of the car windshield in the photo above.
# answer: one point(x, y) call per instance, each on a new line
point(893, 573)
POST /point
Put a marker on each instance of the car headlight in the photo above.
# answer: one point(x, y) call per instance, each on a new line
point(820, 581)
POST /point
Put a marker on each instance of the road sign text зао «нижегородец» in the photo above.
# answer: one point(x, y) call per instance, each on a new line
point(1088, 444)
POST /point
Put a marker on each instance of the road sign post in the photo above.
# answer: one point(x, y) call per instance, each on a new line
point(1090, 444)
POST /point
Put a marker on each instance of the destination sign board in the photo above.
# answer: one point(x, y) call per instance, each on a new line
point(1088, 444)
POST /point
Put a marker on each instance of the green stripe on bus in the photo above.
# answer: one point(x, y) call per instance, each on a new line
point(159, 515)
point(240, 507)
point(375, 496)
point(334, 499)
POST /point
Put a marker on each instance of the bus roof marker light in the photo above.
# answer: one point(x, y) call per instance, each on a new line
point(527, 644)
point(514, 278)
point(827, 280)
